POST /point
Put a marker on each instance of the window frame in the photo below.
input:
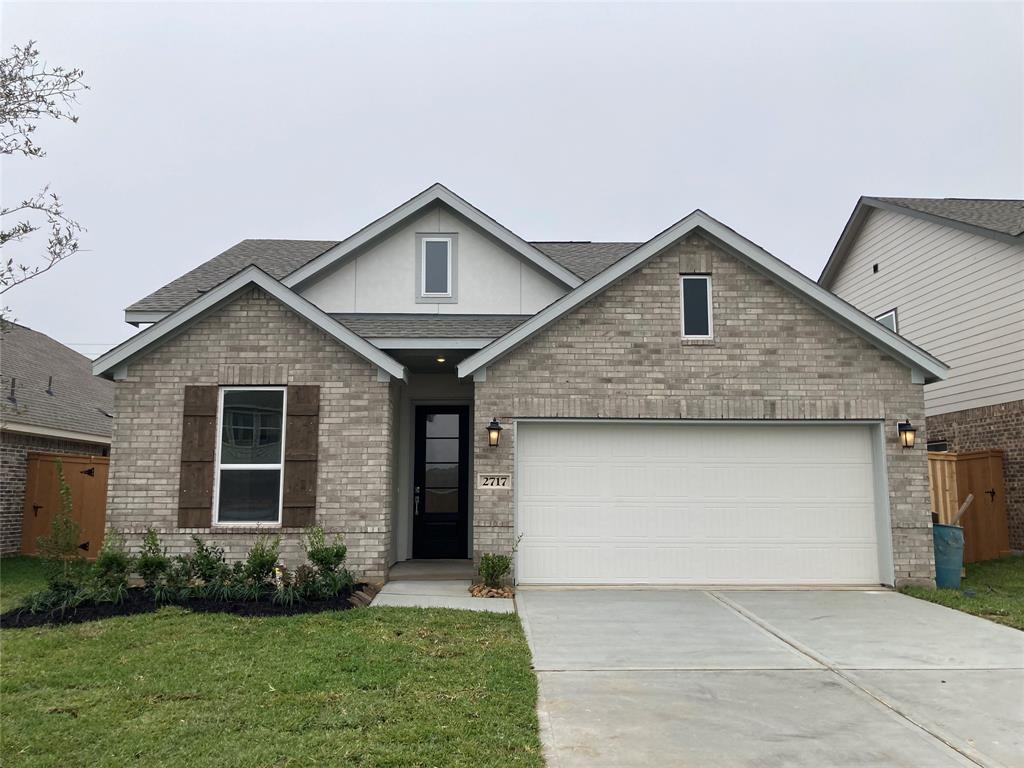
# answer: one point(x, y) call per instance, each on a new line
point(895, 320)
point(682, 308)
point(218, 467)
point(424, 239)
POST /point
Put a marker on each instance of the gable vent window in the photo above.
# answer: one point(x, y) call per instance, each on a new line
point(437, 267)
point(695, 296)
point(888, 319)
point(250, 456)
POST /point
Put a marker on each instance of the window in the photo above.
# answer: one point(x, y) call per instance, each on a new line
point(695, 295)
point(250, 456)
point(888, 319)
point(436, 266)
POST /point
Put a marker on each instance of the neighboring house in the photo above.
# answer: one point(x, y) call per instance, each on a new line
point(51, 403)
point(948, 274)
point(685, 410)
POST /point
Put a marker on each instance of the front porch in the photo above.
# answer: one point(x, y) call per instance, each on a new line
point(432, 570)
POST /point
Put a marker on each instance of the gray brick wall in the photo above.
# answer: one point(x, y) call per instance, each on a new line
point(255, 340)
point(987, 428)
point(14, 449)
point(773, 357)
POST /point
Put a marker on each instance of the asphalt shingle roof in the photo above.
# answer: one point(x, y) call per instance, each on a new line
point(423, 326)
point(279, 258)
point(1005, 216)
point(76, 401)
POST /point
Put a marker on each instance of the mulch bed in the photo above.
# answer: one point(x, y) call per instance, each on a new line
point(138, 601)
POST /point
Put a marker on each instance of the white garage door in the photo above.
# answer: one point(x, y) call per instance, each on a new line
point(630, 503)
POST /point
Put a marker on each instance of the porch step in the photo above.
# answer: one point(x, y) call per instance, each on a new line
point(432, 570)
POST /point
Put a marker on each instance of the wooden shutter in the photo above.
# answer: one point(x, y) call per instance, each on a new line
point(198, 443)
point(300, 455)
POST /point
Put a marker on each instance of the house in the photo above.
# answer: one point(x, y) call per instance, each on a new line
point(948, 274)
point(50, 403)
point(688, 409)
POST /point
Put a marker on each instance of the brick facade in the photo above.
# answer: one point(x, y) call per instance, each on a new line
point(255, 340)
point(991, 427)
point(774, 356)
point(14, 449)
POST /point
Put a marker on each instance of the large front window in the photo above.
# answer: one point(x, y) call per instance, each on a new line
point(250, 455)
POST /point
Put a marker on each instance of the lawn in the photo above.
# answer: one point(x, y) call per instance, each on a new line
point(993, 589)
point(368, 687)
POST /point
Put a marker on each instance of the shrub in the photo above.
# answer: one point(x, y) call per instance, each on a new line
point(259, 563)
point(207, 562)
point(328, 558)
point(113, 563)
point(153, 563)
point(494, 568)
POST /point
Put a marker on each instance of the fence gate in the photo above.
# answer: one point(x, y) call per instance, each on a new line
point(87, 478)
point(955, 475)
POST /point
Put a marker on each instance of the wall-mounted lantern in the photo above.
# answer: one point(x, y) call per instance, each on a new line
point(494, 433)
point(907, 433)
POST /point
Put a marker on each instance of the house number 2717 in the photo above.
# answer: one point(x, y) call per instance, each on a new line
point(493, 481)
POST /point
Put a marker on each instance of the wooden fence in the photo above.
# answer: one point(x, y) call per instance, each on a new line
point(86, 476)
point(952, 477)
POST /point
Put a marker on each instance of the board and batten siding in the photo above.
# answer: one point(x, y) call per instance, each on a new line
point(958, 295)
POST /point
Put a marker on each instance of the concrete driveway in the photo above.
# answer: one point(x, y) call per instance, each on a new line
point(771, 678)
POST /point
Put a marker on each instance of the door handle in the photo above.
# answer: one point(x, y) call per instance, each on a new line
point(416, 502)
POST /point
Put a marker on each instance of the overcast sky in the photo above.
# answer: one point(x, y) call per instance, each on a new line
point(210, 123)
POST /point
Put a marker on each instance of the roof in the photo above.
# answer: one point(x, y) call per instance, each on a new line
point(421, 326)
point(75, 401)
point(278, 258)
point(1005, 216)
point(925, 367)
point(113, 362)
point(584, 257)
point(1001, 220)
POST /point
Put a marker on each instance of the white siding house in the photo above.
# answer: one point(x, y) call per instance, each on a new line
point(957, 294)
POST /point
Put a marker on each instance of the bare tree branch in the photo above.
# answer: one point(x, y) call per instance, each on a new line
point(29, 91)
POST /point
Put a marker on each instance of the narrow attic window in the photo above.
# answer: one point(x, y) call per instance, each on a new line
point(695, 295)
point(436, 269)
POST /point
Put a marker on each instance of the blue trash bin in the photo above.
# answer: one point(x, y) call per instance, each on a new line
point(949, 555)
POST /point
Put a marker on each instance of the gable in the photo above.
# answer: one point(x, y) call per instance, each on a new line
point(487, 276)
point(114, 363)
point(924, 366)
point(768, 342)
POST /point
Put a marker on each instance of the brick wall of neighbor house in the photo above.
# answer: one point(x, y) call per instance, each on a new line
point(14, 448)
point(774, 356)
point(256, 340)
point(981, 429)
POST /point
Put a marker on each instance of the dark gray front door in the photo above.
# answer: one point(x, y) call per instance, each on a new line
point(441, 478)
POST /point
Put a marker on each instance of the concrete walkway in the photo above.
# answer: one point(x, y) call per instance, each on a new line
point(434, 593)
point(758, 678)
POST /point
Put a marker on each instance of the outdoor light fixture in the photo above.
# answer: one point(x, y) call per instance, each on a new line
point(494, 433)
point(907, 433)
point(440, 359)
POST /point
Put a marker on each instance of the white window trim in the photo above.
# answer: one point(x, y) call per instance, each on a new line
point(682, 310)
point(230, 467)
point(895, 319)
point(423, 267)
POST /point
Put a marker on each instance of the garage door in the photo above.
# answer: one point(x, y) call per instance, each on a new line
point(632, 503)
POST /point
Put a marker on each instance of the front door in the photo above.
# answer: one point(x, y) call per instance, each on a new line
point(441, 479)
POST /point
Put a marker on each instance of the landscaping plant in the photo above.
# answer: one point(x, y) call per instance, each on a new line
point(60, 547)
point(494, 568)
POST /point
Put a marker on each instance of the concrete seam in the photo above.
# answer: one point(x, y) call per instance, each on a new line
point(930, 728)
point(544, 725)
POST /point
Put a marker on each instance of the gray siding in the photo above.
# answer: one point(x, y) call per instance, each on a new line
point(957, 295)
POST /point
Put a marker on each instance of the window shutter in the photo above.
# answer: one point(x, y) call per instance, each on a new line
point(198, 442)
point(300, 455)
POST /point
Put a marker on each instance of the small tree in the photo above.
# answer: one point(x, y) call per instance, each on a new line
point(31, 90)
point(60, 547)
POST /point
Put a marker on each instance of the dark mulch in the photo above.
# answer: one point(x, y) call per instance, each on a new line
point(138, 601)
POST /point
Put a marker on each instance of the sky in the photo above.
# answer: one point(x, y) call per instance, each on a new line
point(210, 123)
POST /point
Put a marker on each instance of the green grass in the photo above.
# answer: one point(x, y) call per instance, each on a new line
point(377, 687)
point(19, 575)
point(993, 589)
